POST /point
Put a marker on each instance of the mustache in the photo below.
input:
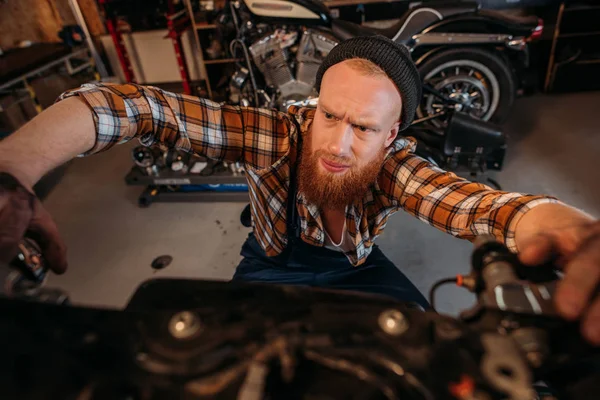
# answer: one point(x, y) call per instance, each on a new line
point(349, 161)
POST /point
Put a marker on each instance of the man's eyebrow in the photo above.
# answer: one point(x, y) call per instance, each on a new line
point(326, 110)
point(366, 122)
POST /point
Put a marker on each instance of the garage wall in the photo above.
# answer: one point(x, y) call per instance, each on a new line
point(152, 56)
point(41, 20)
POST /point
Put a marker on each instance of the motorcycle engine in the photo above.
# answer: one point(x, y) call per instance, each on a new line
point(290, 64)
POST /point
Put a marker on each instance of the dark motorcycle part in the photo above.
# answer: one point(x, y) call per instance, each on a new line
point(148, 159)
point(428, 89)
point(177, 336)
point(176, 161)
point(213, 167)
point(467, 135)
point(479, 79)
point(500, 284)
point(143, 157)
point(28, 277)
point(240, 77)
point(224, 340)
point(494, 184)
point(522, 25)
point(411, 22)
point(29, 262)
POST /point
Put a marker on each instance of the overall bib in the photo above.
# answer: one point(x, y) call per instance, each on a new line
point(304, 264)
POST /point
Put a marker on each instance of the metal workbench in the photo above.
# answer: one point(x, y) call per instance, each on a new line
point(166, 187)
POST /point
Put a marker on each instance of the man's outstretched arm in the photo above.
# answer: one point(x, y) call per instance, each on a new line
point(453, 204)
point(539, 228)
point(96, 117)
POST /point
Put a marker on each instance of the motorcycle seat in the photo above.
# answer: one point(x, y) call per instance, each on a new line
point(347, 30)
point(412, 21)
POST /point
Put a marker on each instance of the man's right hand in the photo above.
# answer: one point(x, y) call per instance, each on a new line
point(22, 214)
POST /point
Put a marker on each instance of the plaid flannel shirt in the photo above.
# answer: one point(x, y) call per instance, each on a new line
point(263, 140)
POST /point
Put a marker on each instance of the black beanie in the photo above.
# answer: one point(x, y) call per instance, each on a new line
point(393, 58)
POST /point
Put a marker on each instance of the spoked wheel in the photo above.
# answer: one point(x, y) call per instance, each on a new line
point(479, 81)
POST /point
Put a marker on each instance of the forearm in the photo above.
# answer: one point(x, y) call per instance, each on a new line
point(461, 208)
point(55, 136)
point(548, 217)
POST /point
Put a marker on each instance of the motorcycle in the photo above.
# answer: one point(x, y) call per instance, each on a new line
point(477, 58)
point(192, 339)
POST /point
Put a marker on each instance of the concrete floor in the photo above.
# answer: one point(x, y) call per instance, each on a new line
point(553, 148)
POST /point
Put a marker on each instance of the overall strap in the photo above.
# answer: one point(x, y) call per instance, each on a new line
point(293, 219)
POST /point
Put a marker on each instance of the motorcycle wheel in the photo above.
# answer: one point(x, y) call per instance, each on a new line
point(479, 79)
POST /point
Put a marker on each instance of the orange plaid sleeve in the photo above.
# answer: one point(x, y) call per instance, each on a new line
point(452, 204)
point(192, 124)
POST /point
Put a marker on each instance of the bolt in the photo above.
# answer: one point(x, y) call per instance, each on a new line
point(184, 325)
point(393, 322)
point(535, 358)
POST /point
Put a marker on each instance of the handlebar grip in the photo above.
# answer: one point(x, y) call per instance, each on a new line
point(29, 262)
point(29, 275)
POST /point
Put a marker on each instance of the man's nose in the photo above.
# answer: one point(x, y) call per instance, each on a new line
point(340, 141)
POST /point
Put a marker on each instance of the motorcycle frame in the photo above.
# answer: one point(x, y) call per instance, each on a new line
point(511, 45)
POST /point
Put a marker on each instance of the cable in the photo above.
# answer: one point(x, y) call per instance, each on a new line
point(249, 64)
point(494, 183)
point(491, 181)
point(438, 284)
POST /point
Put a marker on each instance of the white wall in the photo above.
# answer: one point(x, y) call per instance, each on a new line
point(152, 56)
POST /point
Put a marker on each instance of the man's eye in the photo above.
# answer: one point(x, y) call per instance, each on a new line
point(361, 128)
point(328, 116)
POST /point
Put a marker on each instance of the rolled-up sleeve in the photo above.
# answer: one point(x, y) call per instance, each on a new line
point(452, 204)
point(123, 112)
point(187, 123)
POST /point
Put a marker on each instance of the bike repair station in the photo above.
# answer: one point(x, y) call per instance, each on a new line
point(510, 99)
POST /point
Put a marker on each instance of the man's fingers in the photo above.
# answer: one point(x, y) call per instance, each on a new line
point(44, 231)
point(591, 323)
point(582, 276)
point(15, 213)
point(538, 251)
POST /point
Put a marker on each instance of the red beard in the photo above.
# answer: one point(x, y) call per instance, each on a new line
point(333, 191)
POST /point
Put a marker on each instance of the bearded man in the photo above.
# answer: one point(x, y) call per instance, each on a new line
point(322, 182)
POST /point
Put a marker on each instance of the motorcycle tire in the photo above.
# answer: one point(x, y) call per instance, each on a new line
point(485, 72)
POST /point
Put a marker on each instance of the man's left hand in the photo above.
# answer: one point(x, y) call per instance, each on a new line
point(576, 250)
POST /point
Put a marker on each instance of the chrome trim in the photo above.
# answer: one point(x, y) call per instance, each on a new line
point(519, 43)
point(309, 103)
point(466, 38)
point(425, 56)
point(412, 14)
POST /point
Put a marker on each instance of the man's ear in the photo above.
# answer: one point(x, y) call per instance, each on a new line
point(392, 134)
